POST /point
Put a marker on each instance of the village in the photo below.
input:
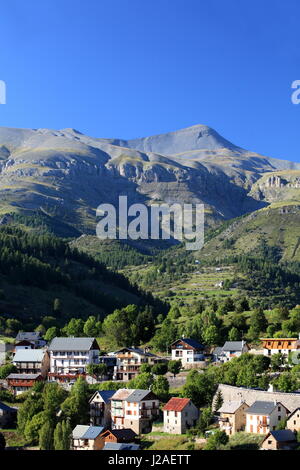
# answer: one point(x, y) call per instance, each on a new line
point(121, 418)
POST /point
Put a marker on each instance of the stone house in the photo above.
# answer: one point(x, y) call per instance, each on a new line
point(283, 439)
point(232, 417)
point(180, 414)
point(264, 416)
point(87, 438)
point(293, 421)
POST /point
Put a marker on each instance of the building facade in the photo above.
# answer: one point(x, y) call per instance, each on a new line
point(134, 409)
point(180, 414)
point(129, 361)
point(263, 416)
point(232, 417)
point(32, 361)
point(284, 346)
point(100, 408)
point(69, 357)
point(188, 351)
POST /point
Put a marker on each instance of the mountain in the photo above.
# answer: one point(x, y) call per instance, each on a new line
point(64, 175)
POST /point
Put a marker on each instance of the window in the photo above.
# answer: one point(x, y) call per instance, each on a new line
point(269, 442)
point(279, 408)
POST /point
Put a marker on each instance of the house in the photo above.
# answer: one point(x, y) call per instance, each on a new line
point(217, 354)
point(118, 407)
point(233, 349)
point(264, 416)
point(129, 361)
point(32, 361)
point(5, 349)
point(180, 414)
point(116, 446)
point(188, 351)
point(69, 357)
point(87, 438)
point(283, 439)
point(29, 340)
point(141, 409)
point(134, 409)
point(20, 383)
point(232, 417)
point(8, 416)
point(100, 414)
point(280, 345)
point(119, 436)
point(293, 421)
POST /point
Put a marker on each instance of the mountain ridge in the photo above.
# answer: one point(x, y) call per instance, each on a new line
point(67, 174)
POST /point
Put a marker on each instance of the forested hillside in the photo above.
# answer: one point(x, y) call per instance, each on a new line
point(42, 275)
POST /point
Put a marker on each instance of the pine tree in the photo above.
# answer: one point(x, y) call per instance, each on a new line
point(66, 431)
point(58, 437)
point(46, 436)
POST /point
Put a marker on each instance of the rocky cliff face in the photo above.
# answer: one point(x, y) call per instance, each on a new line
point(69, 174)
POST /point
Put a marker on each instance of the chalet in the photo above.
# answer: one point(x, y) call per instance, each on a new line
point(293, 421)
point(113, 446)
point(119, 436)
point(29, 340)
point(8, 416)
point(280, 345)
point(188, 351)
point(32, 361)
point(20, 383)
point(129, 361)
point(100, 414)
point(232, 417)
point(283, 439)
point(180, 414)
point(69, 357)
point(87, 438)
point(264, 416)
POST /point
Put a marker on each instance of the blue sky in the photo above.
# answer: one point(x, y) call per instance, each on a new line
point(131, 68)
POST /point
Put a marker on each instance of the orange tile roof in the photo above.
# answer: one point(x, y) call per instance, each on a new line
point(176, 404)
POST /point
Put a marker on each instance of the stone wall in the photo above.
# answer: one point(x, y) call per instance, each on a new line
point(230, 393)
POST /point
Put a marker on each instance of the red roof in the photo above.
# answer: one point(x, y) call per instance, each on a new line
point(176, 404)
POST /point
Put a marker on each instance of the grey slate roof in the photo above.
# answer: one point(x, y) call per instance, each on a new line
point(71, 344)
point(191, 342)
point(120, 446)
point(29, 336)
point(218, 350)
point(23, 376)
point(263, 408)
point(138, 395)
point(283, 435)
point(104, 394)
point(233, 346)
point(137, 351)
point(29, 355)
point(93, 432)
point(79, 431)
point(123, 434)
point(230, 406)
